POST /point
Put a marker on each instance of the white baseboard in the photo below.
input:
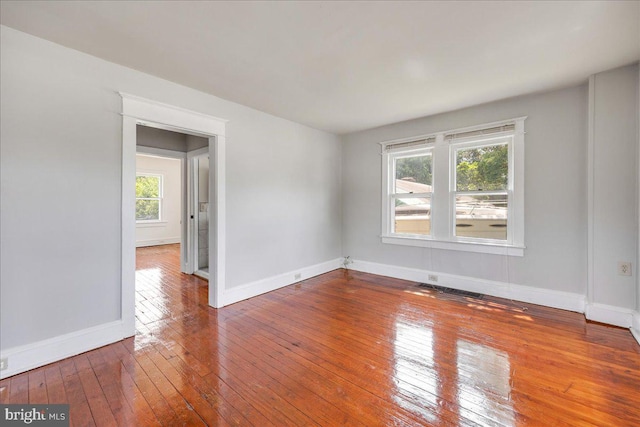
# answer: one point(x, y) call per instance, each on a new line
point(30, 356)
point(547, 297)
point(157, 242)
point(609, 314)
point(269, 284)
point(635, 327)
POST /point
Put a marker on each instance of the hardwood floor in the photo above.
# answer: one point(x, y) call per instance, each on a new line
point(342, 349)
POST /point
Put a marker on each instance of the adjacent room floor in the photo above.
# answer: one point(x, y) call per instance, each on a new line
point(343, 348)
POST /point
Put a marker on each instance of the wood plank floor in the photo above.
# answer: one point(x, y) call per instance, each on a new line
point(342, 349)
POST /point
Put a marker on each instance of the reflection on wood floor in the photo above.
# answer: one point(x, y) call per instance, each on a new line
point(343, 348)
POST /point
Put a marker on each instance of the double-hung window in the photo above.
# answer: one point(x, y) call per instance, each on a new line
point(148, 197)
point(461, 189)
point(410, 189)
point(481, 188)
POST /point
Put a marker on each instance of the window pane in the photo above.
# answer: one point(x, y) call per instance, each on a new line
point(483, 216)
point(482, 168)
point(414, 174)
point(147, 186)
point(413, 216)
point(147, 210)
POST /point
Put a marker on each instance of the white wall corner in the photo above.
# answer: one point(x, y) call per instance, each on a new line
point(547, 297)
point(609, 314)
point(34, 355)
point(272, 283)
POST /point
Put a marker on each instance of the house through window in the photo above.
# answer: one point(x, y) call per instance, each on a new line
point(412, 192)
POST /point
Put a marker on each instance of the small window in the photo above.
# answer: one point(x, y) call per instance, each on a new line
point(148, 197)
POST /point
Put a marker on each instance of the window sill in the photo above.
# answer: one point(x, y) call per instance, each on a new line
point(144, 224)
point(478, 247)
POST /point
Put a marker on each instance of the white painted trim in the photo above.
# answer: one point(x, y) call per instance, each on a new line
point(136, 110)
point(440, 219)
point(217, 220)
point(517, 211)
point(157, 242)
point(194, 210)
point(269, 284)
point(30, 356)
point(635, 327)
point(128, 224)
point(478, 247)
point(590, 188)
point(160, 152)
point(547, 297)
point(164, 116)
point(609, 314)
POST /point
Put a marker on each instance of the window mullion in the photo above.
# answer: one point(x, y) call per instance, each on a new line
point(440, 206)
point(516, 190)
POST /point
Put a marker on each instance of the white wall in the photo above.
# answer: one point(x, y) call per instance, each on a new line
point(61, 141)
point(555, 195)
point(636, 319)
point(168, 229)
point(615, 212)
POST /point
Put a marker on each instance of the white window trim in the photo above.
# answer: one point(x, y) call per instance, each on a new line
point(160, 220)
point(443, 198)
point(477, 143)
point(415, 151)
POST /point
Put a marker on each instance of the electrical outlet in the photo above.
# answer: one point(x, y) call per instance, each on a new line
point(4, 363)
point(297, 276)
point(624, 268)
point(433, 278)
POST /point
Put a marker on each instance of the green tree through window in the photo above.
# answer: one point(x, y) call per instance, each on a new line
point(148, 196)
point(416, 169)
point(483, 168)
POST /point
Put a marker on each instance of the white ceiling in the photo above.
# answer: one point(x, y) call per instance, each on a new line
point(347, 66)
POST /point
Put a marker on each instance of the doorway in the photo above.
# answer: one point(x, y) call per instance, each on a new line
point(189, 219)
point(139, 111)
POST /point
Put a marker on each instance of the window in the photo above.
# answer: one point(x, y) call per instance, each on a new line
point(411, 196)
point(481, 183)
point(148, 197)
point(461, 189)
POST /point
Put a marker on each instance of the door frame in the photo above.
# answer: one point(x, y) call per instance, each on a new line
point(193, 208)
point(140, 111)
